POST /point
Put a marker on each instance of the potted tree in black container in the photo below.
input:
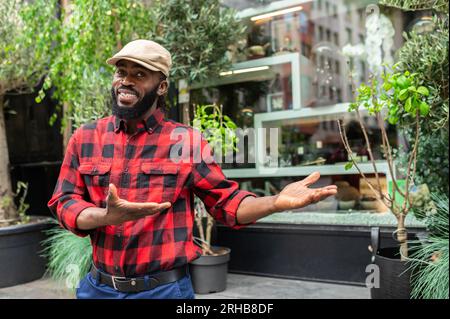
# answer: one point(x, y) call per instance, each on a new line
point(209, 271)
point(400, 99)
point(24, 56)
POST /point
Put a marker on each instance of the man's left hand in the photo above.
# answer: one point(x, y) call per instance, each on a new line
point(298, 194)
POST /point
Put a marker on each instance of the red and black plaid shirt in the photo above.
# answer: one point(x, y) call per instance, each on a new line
point(143, 168)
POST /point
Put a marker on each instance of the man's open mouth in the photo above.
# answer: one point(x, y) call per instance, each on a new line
point(127, 96)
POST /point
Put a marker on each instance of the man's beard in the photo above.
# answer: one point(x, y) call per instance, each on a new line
point(138, 109)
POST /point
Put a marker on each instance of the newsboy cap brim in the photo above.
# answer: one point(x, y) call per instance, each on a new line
point(114, 60)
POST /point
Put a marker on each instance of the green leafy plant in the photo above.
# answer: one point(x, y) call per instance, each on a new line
point(89, 33)
point(401, 94)
point(220, 132)
point(430, 260)
point(399, 98)
point(69, 256)
point(218, 129)
point(427, 54)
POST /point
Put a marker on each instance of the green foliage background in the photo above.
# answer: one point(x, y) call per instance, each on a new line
point(197, 33)
point(26, 34)
point(92, 32)
point(427, 55)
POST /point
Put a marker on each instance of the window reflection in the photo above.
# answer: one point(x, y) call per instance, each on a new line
point(316, 140)
point(265, 90)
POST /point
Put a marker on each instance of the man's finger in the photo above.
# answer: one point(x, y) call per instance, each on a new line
point(150, 207)
point(112, 192)
point(324, 193)
point(311, 179)
point(330, 187)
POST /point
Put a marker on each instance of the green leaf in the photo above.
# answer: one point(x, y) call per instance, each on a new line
point(387, 86)
point(403, 82)
point(393, 119)
point(408, 105)
point(403, 95)
point(348, 166)
point(423, 90)
point(424, 109)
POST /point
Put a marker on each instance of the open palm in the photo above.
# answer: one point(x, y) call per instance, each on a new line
point(298, 194)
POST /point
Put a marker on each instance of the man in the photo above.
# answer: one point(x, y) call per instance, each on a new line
point(120, 184)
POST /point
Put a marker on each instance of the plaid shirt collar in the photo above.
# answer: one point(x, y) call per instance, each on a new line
point(149, 125)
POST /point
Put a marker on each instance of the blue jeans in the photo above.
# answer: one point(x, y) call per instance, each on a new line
point(89, 288)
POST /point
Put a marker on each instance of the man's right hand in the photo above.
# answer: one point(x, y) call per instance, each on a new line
point(120, 210)
point(117, 211)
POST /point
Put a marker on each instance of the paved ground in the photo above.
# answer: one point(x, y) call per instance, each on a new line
point(238, 286)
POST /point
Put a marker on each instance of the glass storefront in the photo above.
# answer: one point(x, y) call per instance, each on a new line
point(296, 70)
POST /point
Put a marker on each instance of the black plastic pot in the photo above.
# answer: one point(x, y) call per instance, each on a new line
point(209, 273)
point(20, 249)
point(395, 274)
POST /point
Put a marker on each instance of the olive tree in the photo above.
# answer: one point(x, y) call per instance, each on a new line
point(91, 31)
point(26, 34)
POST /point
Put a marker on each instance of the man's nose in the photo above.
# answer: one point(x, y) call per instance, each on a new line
point(127, 81)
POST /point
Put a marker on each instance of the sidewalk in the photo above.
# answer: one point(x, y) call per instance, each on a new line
point(238, 286)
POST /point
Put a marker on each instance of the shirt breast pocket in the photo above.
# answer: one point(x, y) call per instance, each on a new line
point(95, 174)
point(158, 182)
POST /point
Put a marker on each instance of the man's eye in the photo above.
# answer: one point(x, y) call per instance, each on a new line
point(120, 72)
point(140, 74)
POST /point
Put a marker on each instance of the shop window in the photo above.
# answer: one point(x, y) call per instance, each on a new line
point(296, 79)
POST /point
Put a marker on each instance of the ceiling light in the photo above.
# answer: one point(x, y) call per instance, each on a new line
point(258, 68)
point(276, 13)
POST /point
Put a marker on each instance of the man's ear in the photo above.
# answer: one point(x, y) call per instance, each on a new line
point(163, 87)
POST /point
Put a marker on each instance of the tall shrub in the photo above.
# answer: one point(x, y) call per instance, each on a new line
point(26, 35)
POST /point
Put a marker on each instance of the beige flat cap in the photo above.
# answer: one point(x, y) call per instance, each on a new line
point(149, 54)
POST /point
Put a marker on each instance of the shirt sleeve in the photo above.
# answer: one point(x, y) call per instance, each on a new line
point(67, 201)
point(220, 195)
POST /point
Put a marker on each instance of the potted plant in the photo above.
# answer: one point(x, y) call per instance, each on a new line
point(209, 271)
point(398, 98)
point(24, 56)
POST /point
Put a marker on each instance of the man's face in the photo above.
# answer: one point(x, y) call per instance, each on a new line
point(132, 82)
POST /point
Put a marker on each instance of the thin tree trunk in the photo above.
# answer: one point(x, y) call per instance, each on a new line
point(402, 236)
point(7, 209)
point(67, 133)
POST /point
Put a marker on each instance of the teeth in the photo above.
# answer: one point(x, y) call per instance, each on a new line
point(127, 95)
